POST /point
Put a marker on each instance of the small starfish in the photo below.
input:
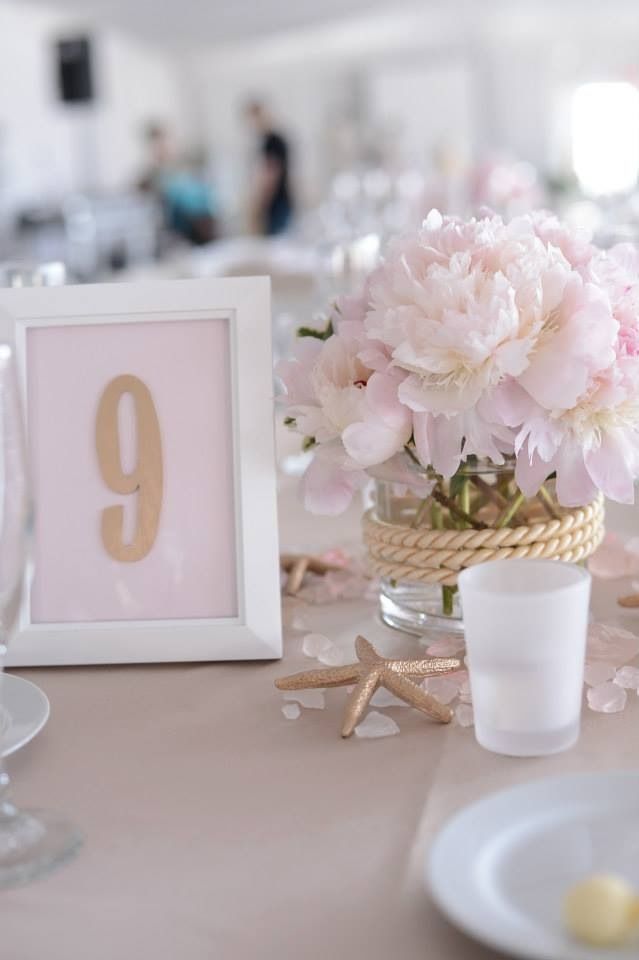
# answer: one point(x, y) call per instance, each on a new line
point(297, 566)
point(372, 671)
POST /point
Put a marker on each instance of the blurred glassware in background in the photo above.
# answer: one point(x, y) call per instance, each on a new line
point(22, 274)
point(32, 842)
point(106, 234)
point(96, 236)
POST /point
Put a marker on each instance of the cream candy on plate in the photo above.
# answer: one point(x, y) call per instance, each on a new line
point(602, 910)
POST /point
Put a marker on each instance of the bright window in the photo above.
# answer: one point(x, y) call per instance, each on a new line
point(605, 137)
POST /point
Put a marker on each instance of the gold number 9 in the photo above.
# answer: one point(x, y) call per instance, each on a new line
point(147, 478)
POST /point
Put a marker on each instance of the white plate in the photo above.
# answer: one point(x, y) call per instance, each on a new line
point(24, 710)
point(499, 869)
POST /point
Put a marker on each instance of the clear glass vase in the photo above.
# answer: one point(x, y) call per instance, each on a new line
point(481, 495)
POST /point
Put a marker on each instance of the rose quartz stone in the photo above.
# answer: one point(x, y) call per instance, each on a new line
point(607, 698)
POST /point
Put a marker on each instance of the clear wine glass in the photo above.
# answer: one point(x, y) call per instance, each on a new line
point(32, 842)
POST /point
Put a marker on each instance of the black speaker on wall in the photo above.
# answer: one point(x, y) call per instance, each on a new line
point(75, 71)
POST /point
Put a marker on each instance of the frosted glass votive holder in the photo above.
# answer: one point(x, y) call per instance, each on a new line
point(526, 623)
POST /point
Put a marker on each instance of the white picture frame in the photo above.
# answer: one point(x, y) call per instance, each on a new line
point(254, 631)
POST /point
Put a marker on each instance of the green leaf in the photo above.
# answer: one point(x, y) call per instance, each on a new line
point(308, 443)
point(289, 421)
point(318, 334)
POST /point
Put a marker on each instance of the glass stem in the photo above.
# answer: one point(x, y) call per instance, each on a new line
point(510, 510)
point(421, 512)
point(448, 597)
point(549, 505)
point(464, 498)
point(490, 492)
point(6, 807)
point(454, 511)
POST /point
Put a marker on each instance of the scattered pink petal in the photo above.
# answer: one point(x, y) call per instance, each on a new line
point(611, 644)
point(336, 556)
point(445, 646)
point(443, 689)
point(607, 698)
point(350, 583)
point(312, 699)
point(335, 582)
point(291, 711)
point(314, 643)
point(348, 586)
point(614, 559)
point(464, 715)
point(376, 724)
point(628, 678)
point(315, 593)
point(596, 673)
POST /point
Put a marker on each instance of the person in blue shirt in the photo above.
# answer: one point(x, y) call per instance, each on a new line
point(182, 189)
point(189, 204)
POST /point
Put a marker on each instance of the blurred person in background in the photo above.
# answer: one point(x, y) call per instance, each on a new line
point(160, 156)
point(181, 188)
point(189, 202)
point(272, 200)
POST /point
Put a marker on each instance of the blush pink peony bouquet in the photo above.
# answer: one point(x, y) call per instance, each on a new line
point(478, 339)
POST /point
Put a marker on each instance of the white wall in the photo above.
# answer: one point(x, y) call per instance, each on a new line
point(315, 81)
point(48, 148)
point(139, 83)
point(424, 106)
point(515, 66)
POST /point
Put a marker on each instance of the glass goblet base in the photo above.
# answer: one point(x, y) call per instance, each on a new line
point(33, 843)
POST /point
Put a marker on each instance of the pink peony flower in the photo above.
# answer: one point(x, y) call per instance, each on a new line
point(576, 245)
point(593, 446)
point(576, 341)
point(385, 427)
point(444, 442)
point(351, 412)
point(463, 306)
point(328, 485)
point(479, 338)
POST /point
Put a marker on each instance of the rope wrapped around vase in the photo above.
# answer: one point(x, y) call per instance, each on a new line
point(426, 555)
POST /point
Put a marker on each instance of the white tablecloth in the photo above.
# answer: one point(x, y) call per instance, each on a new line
point(216, 828)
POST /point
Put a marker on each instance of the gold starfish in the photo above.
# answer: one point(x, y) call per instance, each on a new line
point(297, 566)
point(372, 671)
